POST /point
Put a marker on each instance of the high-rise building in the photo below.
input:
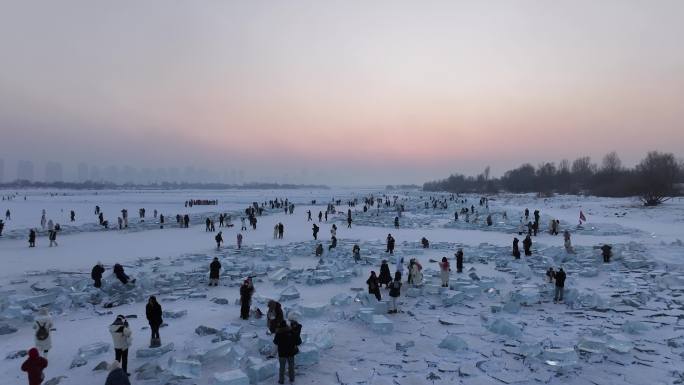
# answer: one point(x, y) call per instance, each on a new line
point(53, 172)
point(25, 170)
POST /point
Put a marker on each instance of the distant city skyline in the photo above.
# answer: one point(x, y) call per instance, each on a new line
point(337, 93)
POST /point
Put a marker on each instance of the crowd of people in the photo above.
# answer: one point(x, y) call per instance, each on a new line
point(286, 332)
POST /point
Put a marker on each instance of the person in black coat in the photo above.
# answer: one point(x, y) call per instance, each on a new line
point(560, 285)
point(246, 291)
point(333, 243)
point(32, 238)
point(153, 311)
point(385, 275)
point(287, 341)
point(219, 239)
point(459, 261)
point(607, 252)
point(121, 275)
point(315, 229)
point(2, 226)
point(373, 285)
point(527, 245)
point(117, 376)
point(214, 270)
point(96, 274)
point(395, 292)
point(516, 249)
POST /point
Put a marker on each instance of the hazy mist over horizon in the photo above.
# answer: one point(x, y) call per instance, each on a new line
point(337, 93)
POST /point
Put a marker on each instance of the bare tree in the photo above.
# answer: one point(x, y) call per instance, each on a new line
point(657, 174)
point(611, 163)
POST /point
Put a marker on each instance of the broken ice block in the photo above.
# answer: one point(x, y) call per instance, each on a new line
point(231, 377)
point(259, 370)
point(228, 353)
point(205, 330)
point(380, 307)
point(560, 357)
point(453, 297)
point(185, 368)
point(405, 346)
point(341, 300)
point(324, 339)
point(454, 343)
point(634, 327)
point(591, 345)
point(366, 314)
point(174, 314)
point(92, 350)
point(308, 355)
point(289, 293)
point(154, 352)
point(432, 289)
point(278, 275)
point(381, 324)
point(313, 309)
point(505, 327)
point(231, 333)
point(619, 343)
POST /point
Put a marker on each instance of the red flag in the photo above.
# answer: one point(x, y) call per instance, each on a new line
point(582, 217)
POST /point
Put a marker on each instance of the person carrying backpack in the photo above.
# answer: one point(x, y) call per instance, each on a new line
point(395, 292)
point(42, 326)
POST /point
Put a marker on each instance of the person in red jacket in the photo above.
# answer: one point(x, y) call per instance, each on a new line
point(34, 366)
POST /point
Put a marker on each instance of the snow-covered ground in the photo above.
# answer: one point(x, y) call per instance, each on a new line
point(620, 322)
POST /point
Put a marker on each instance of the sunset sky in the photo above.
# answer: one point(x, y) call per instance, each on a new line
point(342, 92)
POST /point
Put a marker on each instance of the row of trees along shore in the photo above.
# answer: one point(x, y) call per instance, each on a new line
point(655, 179)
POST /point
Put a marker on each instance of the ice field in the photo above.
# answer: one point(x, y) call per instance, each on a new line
point(496, 323)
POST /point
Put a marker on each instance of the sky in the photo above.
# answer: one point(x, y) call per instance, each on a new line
point(339, 92)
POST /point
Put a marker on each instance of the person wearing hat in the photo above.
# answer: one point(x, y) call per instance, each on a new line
point(34, 366)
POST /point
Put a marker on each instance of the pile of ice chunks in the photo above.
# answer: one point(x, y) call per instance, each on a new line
point(454, 343)
point(503, 326)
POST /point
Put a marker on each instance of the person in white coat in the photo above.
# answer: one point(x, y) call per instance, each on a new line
point(416, 273)
point(122, 337)
point(43, 335)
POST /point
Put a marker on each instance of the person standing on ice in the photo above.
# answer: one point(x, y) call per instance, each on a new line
point(396, 222)
point(527, 214)
point(161, 221)
point(34, 366)
point(356, 253)
point(315, 230)
point(43, 336)
point(214, 272)
point(219, 240)
point(207, 225)
point(43, 221)
point(153, 311)
point(281, 230)
point(444, 270)
point(308, 215)
point(275, 231)
point(459, 261)
point(72, 216)
point(122, 337)
point(120, 221)
point(96, 274)
point(287, 341)
point(239, 241)
point(319, 250)
point(246, 291)
point(607, 252)
point(52, 237)
point(8, 215)
point(527, 245)
point(399, 266)
point(333, 230)
point(385, 275)
point(274, 315)
point(395, 292)
point(2, 227)
point(560, 286)
point(373, 285)
point(567, 243)
point(516, 249)
point(320, 216)
point(333, 243)
point(416, 273)
point(32, 238)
